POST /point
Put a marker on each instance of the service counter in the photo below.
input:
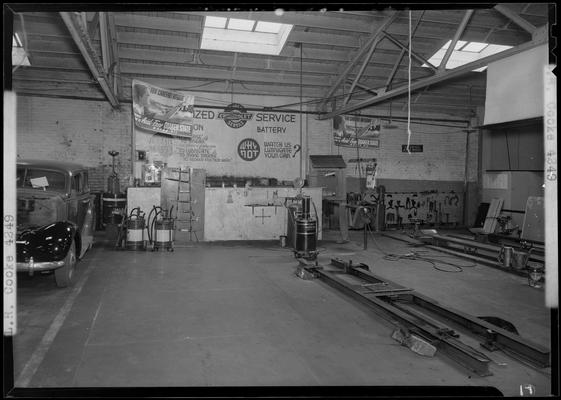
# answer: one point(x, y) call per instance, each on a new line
point(255, 213)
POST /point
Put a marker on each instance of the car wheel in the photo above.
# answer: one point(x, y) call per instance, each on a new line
point(65, 274)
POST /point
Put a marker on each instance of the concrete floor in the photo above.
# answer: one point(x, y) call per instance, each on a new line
point(235, 314)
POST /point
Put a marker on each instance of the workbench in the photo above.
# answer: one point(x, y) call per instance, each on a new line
point(254, 213)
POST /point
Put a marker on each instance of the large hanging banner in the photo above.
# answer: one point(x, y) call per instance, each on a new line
point(161, 110)
point(230, 139)
point(348, 129)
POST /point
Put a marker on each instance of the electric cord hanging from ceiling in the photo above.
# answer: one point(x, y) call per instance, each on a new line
point(409, 90)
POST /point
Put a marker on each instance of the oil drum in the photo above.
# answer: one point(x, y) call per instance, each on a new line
point(306, 233)
point(293, 214)
point(163, 235)
point(135, 234)
point(113, 205)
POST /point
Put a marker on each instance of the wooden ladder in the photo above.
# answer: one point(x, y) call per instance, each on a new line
point(184, 210)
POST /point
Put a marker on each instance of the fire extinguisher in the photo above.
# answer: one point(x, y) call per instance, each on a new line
point(161, 227)
point(135, 226)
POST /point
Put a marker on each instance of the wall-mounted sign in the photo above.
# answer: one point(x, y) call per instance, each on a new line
point(235, 115)
point(249, 149)
point(413, 148)
point(161, 110)
point(231, 140)
point(347, 130)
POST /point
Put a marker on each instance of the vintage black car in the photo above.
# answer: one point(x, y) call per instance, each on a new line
point(55, 217)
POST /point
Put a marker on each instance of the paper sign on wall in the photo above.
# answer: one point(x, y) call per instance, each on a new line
point(161, 110)
point(347, 130)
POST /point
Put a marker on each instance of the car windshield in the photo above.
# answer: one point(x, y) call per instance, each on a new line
point(39, 178)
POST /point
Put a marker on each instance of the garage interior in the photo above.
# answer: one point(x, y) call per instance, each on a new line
point(332, 200)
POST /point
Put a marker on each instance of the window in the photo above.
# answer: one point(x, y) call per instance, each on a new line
point(55, 180)
point(19, 55)
point(77, 183)
point(244, 35)
point(466, 52)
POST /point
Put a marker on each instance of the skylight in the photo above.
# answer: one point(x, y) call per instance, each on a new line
point(241, 24)
point(19, 56)
point(466, 52)
point(268, 27)
point(244, 35)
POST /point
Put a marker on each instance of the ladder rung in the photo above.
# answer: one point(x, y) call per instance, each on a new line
point(186, 230)
point(183, 201)
point(184, 191)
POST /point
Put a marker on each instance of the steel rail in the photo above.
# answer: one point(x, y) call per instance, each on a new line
point(463, 354)
point(381, 301)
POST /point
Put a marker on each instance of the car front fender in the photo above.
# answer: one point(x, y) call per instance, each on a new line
point(49, 242)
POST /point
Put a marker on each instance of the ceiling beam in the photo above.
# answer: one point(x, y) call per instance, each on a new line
point(80, 36)
point(419, 58)
point(437, 78)
point(358, 56)
point(106, 57)
point(115, 69)
point(361, 70)
point(402, 53)
point(366, 89)
point(516, 18)
point(457, 36)
point(93, 25)
point(346, 21)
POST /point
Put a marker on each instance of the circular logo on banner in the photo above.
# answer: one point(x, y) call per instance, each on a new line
point(235, 115)
point(249, 149)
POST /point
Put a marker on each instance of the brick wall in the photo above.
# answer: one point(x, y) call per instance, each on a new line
point(443, 157)
point(441, 166)
point(84, 131)
point(78, 131)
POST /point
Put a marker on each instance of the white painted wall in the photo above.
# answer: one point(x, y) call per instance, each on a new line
point(230, 216)
point(515, 86)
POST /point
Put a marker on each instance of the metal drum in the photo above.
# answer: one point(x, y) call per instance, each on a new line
point(306, 235)
point(113, 205)
point(293, 215)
